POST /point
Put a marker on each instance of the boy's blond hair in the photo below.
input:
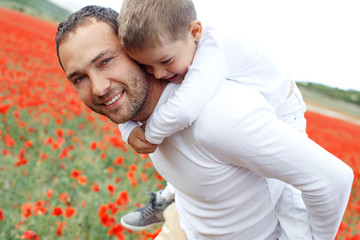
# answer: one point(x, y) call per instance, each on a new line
point(149, 23)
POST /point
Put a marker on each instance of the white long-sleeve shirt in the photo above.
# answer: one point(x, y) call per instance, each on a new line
point(218, 167)
point(207, 70)
point(231, 58)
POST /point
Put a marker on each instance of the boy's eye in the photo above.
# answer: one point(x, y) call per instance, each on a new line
point(166, 61)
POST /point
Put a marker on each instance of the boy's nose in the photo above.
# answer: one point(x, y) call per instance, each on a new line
point(159, 73)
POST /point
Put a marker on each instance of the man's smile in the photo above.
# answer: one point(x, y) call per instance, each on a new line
point(114, 99)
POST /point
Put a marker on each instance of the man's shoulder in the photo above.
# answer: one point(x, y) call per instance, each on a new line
point(232, 103)
point(232, 112)
point(237, 96)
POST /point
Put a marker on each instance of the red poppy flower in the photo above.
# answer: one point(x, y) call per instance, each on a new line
point(39, 208)
point(48, 140)
point(75, 173)
point(9, 141)
point(1, 215)
point(111, 189)
point(132, 167)
point(105, 219)
point(64, 197)
point(95, 187)
point(26, 209)
point(93, 146)
point(82, 179)
point(57, 211)
point(30, 235)
point(60, 133)
point(60, 227)
point(4, 109)
point(119, 161)
point(49, 193)
point(69, 212)
point(116, 230)
point(123, 199)
point(28, 144)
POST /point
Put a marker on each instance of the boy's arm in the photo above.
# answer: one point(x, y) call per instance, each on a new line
point(126, 128)
point(208, 69)
point(133, 134)
point(138, 142)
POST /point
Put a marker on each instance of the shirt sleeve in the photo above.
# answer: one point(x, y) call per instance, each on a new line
point(250, 136)
point(253, 65)
point(208, 69)
point(126, 128)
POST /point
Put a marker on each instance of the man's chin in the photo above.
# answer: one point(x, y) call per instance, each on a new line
point(117, 120)
point(114, 117)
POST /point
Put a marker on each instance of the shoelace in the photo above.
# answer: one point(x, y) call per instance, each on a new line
point(149, 208)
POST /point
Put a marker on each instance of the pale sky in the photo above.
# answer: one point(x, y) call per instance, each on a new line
point(317, 40)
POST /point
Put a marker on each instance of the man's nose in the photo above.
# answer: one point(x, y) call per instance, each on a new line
point(99, 85)
point(159, 73)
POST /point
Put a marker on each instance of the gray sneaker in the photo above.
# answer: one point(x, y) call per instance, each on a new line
point(150, 214)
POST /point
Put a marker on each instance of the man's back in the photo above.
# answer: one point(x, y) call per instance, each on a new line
point(214, 197)
point(219, 164)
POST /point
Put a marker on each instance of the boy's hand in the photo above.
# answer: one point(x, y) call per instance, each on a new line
point(138, 141)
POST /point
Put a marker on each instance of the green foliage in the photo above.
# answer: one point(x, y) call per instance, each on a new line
point(40, 8)
point(45, 168)
point(351, 96)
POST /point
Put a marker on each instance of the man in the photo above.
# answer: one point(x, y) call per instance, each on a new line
point(219, 164)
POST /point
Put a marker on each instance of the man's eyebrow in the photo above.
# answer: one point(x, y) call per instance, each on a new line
point(94, 60)
point(102, 54)
point(71, 75)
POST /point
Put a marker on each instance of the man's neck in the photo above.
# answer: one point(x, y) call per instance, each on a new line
point(156, 88)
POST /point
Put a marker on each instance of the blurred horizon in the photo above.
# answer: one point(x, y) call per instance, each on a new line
point(319, 48)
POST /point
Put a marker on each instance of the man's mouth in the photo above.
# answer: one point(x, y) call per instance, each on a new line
point(114, 99)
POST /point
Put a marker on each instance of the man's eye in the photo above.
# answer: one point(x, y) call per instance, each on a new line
point(105, 61)
point(78, 79)
point(167, 61)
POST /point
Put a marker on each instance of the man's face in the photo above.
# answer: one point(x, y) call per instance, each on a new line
point(105, 78)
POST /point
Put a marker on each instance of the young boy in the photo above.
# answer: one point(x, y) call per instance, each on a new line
point(167, 39)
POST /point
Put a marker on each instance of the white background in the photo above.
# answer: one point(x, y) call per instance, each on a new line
point(318, 40)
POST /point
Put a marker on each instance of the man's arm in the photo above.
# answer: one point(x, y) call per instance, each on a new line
point(250, 136)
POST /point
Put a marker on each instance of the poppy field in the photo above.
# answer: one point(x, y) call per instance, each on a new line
point(65, 172)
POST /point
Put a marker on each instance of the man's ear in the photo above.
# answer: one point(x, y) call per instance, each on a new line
point(195, 30)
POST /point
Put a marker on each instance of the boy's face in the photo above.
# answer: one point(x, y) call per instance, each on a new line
point(171, 60)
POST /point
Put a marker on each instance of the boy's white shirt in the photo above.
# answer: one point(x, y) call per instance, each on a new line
point(185, 106)
point(214, 60)
point(245, 63)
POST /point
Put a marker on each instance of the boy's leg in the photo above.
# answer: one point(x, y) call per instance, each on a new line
point(168, 194)
point(291, 210)
point(292, 111)
point(292, 215)
point(171, 229)
point(151, 213)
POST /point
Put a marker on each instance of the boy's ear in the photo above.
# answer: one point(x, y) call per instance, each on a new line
point(195, 30)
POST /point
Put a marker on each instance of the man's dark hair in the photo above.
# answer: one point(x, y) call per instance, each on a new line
point(81, 18)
